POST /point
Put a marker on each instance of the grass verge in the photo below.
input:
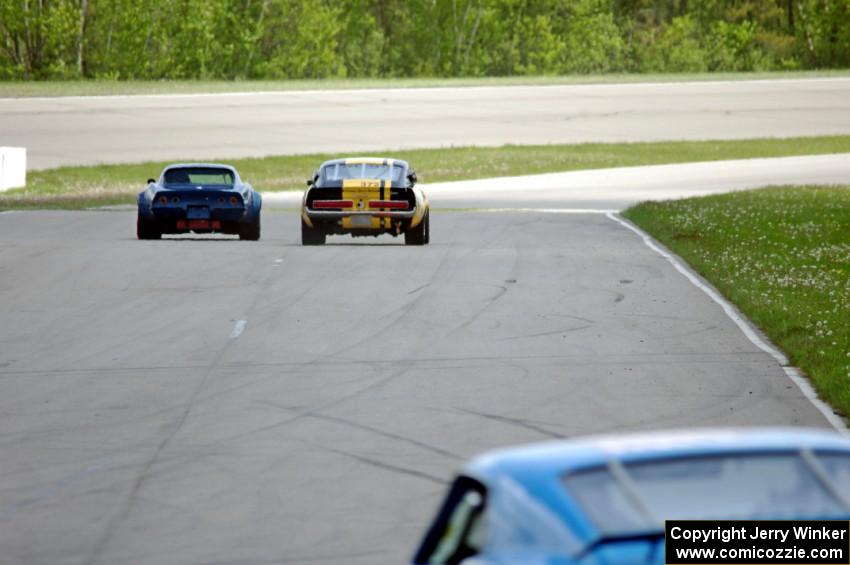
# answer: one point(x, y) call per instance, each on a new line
point(782, 255)
point(28, 89)
point(81, 187)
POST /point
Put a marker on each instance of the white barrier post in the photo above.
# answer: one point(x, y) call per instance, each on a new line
point(13, 167)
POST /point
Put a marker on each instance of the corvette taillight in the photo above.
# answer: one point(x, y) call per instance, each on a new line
point(176, 199)
point(234, 200)
point(163, 200)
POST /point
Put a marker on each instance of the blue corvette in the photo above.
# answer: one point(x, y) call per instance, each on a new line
point(604, 500)
point(199, 198)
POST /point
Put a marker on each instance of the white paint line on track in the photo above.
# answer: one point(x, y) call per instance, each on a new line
point(420, 89)
point(238, 329)
point(743, 323)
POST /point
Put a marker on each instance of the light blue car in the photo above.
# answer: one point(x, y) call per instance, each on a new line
point(604, 499)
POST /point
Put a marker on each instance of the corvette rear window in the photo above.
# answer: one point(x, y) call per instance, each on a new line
point(199, 176)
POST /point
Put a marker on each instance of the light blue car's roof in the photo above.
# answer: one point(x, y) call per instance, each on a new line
point(537, 470)
point(558, 458)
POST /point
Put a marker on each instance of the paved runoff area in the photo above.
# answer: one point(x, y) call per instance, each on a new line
point(121, 129)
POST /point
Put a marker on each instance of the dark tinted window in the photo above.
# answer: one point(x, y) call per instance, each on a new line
point(199, 176)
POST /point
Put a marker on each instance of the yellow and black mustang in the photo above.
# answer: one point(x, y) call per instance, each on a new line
point(364, 196)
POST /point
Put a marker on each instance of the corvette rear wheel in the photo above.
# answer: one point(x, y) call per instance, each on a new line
point(250, 232)
point(421, 234)
point(311, 236)
point(146, 229)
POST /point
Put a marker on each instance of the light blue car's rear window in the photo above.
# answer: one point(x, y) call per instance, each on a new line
point(759, 486)
point(837, 466)
point(604, 501)
point(762, 486)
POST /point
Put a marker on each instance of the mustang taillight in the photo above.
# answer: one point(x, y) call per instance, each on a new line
point(324, 204)
point(390, 204)
point(234, 200)
point(163, 200)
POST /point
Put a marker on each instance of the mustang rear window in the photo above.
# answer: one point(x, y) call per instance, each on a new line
point(342, 171)
point(199, 176)
point(749, 486)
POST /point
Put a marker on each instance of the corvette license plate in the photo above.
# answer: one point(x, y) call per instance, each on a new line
point(198, 213)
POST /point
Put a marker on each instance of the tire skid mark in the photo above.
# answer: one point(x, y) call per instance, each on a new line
point(390, 435)
point(34, 435)
point(522, 423)
point(250, 381)
point(552, 332)
point(400, 312)
point(324, 358)
point(364, 427)
point(448, 264)
point(116, 522)
point(52, 488)
point(114, 525)
point(513, 276)
point(383, 465)
point(620, 359)
point(107, 370)
point(316, 409)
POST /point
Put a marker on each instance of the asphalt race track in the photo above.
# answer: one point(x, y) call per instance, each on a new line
point(207, 401)
point(76, 131)
point(202, 400)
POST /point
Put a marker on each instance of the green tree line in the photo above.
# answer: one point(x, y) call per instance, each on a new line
point(278, 39)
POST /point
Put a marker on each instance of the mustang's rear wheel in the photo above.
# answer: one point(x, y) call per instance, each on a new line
point(311, 236)
point(250, 232)
point(146, 229)
point(421, 234)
